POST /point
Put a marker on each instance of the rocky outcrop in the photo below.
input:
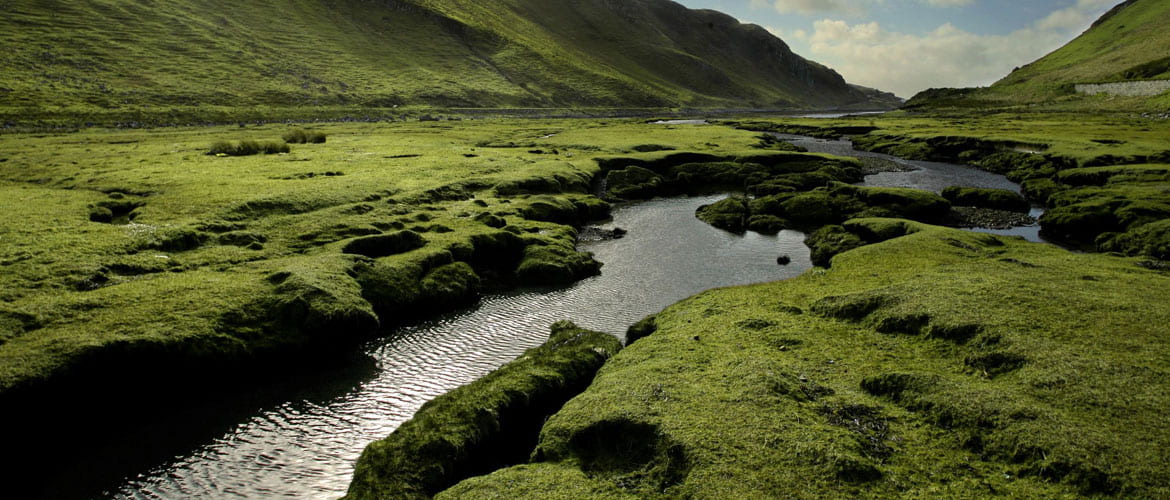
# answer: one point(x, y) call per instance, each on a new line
point(1126, 89)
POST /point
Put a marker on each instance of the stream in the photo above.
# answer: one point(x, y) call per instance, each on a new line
point(300, 437)
point(306, 448)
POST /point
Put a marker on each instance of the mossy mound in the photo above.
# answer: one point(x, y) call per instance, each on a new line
point(970, 364)
point(756, 173)
point(633, 183)
point(568, 210)
point(999, 199)
point(566, 182)
point(730, 214)
point(555, 264)
point(1082, 214)
point(828, 241)
point(832, 204)
point(1101, 176)
point(483, 426)
point(1151, 239)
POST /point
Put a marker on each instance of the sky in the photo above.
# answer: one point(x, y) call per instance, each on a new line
point(905, 46)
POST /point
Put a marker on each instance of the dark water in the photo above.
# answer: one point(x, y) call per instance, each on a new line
point(305, 447)
point(927, 175)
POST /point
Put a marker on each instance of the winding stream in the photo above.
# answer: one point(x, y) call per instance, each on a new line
point(302, 438)
point(306, 448)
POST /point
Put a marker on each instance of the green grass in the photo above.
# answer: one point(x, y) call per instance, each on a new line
point(232, 256)
point(940, 363)
point(968, 366)
point(1122, 44)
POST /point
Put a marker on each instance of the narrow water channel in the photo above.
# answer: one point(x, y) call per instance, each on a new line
point(306, 448)
point(927, 175)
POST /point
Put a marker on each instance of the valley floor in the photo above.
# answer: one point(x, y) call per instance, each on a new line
point(924, 362)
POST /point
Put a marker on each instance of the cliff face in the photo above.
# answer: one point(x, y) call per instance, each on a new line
point(110, 55)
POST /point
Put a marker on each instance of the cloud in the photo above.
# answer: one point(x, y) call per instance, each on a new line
point(867, 54)
point(949, 3)
point(1077, 16)
point(797, 34)
point(815, 6)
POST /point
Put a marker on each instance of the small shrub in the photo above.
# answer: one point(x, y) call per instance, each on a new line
point(301, 136)
point(247, 148)
point(295, 136)
point(271, 148)
point(222, 148)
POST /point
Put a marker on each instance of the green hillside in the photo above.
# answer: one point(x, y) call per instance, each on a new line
point(1128, 43)
point(185, 58)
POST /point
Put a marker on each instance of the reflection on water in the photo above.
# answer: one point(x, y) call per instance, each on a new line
point(681, 122)
point(306, 448)
point(927, 175)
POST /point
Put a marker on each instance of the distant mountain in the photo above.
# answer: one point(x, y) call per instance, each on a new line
point(87, 55)
point(1128, 43)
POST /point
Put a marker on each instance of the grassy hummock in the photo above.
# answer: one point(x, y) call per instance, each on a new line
point(483, 426)
point(998, 199)
point(969, 366)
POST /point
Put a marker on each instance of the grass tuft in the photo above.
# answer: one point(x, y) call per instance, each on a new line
point(247, 148)
point(301, 136)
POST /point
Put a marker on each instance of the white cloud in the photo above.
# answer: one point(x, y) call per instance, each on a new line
point(797, 34)
point(814, 6)
point(869, 55)
point(949, 3)
point(1077, 16)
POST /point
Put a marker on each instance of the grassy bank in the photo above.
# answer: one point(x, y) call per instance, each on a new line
point(969, 366)
point(486, 425)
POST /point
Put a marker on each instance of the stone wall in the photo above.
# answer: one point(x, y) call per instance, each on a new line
point(1127, 89)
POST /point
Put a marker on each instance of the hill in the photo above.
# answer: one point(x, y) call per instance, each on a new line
point(98, 57)
point(1128, 43)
